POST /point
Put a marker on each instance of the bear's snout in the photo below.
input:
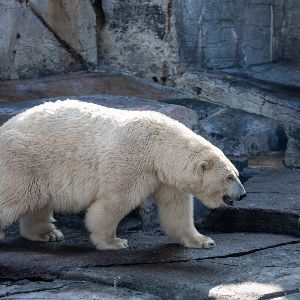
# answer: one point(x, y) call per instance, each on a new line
point(236, 192)
point(243, 196)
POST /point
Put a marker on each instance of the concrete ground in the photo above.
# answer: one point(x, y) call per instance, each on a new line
point(241, 266)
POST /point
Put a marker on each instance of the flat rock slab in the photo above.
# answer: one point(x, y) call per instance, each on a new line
point(153, 267)
point(268, 273)
point(75, 290)
point(273, 190)
point(280, 103)
point(272, 205)
point(82, 83)
point(180, 113)
point(21, 259)
point(284, 74)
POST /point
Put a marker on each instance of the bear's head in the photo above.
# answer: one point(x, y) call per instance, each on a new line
point(215, 180)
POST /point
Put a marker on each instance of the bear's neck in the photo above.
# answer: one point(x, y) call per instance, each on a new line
point(173, 154)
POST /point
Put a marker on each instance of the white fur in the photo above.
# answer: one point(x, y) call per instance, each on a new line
point(70, 156)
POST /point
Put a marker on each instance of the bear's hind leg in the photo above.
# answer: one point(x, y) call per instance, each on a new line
point(102, 220)
point(175, 210)
point(37, 226)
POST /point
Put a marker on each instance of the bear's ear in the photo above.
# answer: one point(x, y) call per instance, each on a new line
point(204, 166)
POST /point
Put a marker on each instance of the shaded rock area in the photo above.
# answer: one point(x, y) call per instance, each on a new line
point(272, 205)
point(152, 266)
point(238, 133)
point(263, 98)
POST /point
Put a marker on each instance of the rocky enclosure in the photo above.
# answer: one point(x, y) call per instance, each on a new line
point(224, 52)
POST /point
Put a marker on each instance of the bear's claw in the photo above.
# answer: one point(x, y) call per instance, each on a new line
point(54, 236)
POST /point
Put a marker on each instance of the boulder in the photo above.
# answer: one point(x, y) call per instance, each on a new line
point(238, 133)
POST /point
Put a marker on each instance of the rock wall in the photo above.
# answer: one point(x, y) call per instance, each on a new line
point(139, 36)
point(39, 37)
point(161, 38)
point(237, 33)
point(153, 38)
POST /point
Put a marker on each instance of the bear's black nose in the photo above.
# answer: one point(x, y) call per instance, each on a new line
point(243, 196)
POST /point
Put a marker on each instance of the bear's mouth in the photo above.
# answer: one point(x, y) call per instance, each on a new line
point(228, 200)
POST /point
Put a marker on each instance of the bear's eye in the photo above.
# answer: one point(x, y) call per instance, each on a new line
point(231, 177)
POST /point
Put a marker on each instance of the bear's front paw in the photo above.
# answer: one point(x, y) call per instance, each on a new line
point(114, 244)
point(200, 241)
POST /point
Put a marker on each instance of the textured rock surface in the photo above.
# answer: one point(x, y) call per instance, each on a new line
point(138, 36)
point(272, 205)
point(89, 83)
point(151, 266)
point(154, 38)
point(220, 34)
point(292, 154)
point(74, 23)
point(285, 74)
point(248, 276)
point(27, 48)
point(63, 289)
point(278, 102)
point(241, 134)
point(245, 94)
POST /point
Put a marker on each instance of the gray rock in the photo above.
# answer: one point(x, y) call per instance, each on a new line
point(241, 134)
point(249, 275)
point(148, 214)
point(292, 153)
point(272, 205)
point(277, 102)
point(138, 36)
point(263, 99)
point(73, 22)
point(28, 47)
point(221, 34)
point(77, 290)
point(89, 83)
point(285, 74)
point(180, 113)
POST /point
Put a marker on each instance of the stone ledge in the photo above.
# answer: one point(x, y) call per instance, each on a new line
point(182, 114)
point(83, 83)
point(272, 205)
point(279, 102)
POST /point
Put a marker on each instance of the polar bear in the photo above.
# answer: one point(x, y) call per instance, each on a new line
point(71, 156)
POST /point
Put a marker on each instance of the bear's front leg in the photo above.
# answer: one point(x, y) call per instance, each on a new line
point(37, 226)
point(175, 209)
point(102, 219)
